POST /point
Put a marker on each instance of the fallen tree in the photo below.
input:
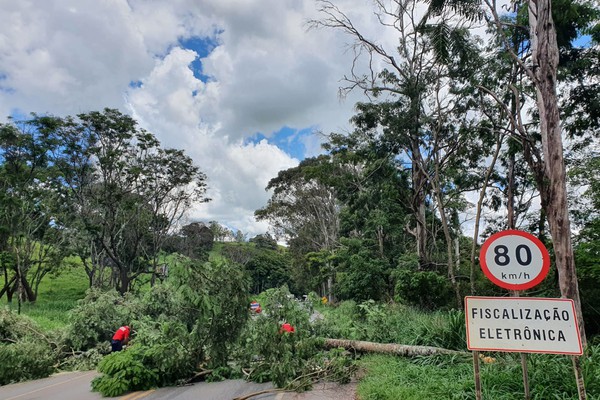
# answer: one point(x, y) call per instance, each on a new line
point(389, 348)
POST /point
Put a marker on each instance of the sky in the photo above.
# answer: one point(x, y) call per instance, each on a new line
point(243, 86)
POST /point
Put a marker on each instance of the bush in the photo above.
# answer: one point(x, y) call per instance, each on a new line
point(26, 354)
point(96, 318)
point(124, 371)
point(25, 360)
point(443, 329)
point(425, 289)
point(340, 322)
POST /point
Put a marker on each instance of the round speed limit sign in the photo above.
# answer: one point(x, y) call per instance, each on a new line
point(514, 260)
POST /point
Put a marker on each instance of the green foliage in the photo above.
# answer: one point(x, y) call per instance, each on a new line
point(122, 372)
point(228, 292)
point(393, 323)
point(426, 289)
point(391, 378)
point(24, 351)
point(290, 360)
point(167, 349)
point(58, 295)
point(97, 316)
point(340, 321)
point(443, 376)
point(24, 360)
point(189, 320)
point(361, 276)
point(451, 377)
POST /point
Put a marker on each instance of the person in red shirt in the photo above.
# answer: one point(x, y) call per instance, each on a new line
point(120, 338)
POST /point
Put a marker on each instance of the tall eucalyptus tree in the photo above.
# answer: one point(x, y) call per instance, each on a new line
point(418, 110)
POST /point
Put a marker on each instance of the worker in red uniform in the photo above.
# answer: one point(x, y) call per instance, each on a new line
point(120, 338)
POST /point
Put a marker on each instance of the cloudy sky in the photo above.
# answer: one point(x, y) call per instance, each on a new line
point(242, 85)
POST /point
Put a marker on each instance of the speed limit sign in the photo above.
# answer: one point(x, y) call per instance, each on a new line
point(514, 260)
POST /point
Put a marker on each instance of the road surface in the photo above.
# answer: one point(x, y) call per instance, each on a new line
point(76, 386)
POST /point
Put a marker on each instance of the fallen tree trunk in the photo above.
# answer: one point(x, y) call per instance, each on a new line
point(389, 348)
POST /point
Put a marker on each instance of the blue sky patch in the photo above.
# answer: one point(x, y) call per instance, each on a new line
point(203, 46)
point(582, 41)
point(287, 139)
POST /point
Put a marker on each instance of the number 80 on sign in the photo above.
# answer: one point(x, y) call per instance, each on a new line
point(514, 260)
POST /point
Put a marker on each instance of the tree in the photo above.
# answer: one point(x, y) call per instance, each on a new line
point(264, 241)
point(193, 240)
point(125, 192)
point(304, 210)
point(420, 112)
point(545, 157)
point(220, 232)
point(31, 213)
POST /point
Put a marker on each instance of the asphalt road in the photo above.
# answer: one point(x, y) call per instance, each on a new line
point(76, 386)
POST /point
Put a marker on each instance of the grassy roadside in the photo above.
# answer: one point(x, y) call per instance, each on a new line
point(447, 377)
point(451, 377)
point(57, 295)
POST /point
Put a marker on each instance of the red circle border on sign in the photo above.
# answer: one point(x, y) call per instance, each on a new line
point(510, 286)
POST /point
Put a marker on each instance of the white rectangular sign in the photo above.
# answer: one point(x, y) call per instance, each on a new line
point(522, 324)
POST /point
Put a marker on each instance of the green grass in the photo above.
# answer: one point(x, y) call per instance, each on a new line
point(56, 296)
point(395, 378)
point(451, 377)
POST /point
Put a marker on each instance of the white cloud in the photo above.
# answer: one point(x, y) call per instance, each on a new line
point(70, 56)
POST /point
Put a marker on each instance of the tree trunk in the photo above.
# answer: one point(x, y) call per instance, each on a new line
point(553, 189)
point(123, 281)
point(389, 348)
point(421, 227)
point(419, 182)
point(448, 237)
point(30, 295)
point(484, 186)
point(6, 288)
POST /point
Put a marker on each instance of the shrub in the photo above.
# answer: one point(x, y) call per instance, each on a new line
point(443, 329)
point(425, 289)
point(124, 371)
point(96, 317)
point(26, 353)
point(339, 321)
point(25, 360)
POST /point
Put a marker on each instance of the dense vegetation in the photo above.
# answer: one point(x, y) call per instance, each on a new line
point(376, 225)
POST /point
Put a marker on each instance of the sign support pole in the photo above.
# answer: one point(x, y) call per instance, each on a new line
point(515, 293)
point(579, 378)
point(477, 375)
